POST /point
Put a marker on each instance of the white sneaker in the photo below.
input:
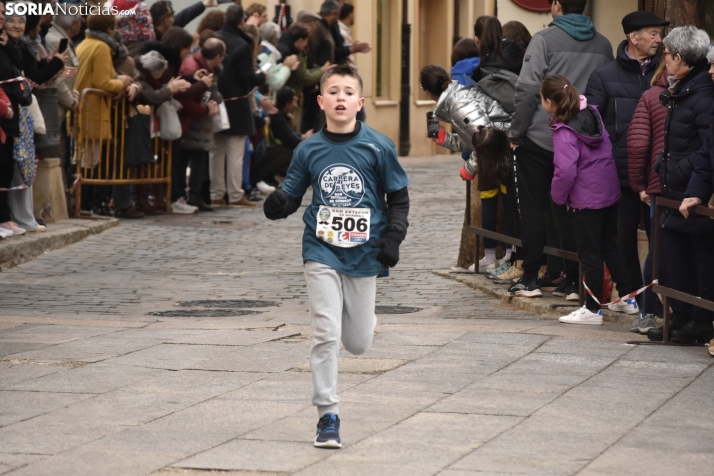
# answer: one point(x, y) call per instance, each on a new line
point(488, 263)
point(5, 233)
point(38, 228)
point(264, 187)
point(583, 316)
point(183, 208)
point(12, 226)
point(628, 306)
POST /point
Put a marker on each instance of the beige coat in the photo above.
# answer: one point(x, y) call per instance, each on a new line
point(65, 85)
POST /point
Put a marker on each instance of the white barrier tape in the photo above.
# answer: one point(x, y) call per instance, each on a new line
point(622, 298)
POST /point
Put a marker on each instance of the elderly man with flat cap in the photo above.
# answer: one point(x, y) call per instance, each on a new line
point(615, 88)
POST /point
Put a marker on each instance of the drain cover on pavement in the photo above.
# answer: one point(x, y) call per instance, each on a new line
point(230, 303)
point(203, 313)
point(395, 310)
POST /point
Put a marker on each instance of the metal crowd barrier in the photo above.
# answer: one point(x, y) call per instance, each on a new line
point(100, 155)
point(474, 230)
point(665, 292)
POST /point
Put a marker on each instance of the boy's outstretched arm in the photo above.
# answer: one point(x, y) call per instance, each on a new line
point(396, 230)
point(280, 205)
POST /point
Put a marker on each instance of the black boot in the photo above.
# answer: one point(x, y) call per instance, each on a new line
point(196, 200)
point(694, 332)
point(677, 322)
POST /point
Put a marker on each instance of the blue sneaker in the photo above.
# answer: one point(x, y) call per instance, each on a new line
point(628, 306)
point(328, 432)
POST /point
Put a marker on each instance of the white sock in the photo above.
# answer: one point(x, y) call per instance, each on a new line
point(490, 254)
point(507, 256)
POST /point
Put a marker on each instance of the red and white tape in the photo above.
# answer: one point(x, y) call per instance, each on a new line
point(621, 298)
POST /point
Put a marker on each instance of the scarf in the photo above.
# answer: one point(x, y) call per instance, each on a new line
point(119, 51)
point(674, 80)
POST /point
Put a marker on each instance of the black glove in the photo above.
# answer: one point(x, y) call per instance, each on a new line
point(389, 252)
point(275, 205)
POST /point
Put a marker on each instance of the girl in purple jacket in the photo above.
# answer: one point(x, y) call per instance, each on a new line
point(586, 181)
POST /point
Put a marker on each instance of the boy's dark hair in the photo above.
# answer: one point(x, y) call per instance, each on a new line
point(571, 6)
point(234, 15)
point(160, 11)
point(564, 96)
point(298, 31)
point(342, 70)
point(517, 31)
point(491, 149)
point(177, 39)
point(284, 96)
point(213, 47)
point(489, 31)
point(346, 10)
point(434, 79)
point(464, 48)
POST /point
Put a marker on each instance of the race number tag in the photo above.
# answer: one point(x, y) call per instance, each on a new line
point(343, 227)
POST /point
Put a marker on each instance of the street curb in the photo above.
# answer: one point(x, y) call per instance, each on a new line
point(21, 249)
point(541, 306)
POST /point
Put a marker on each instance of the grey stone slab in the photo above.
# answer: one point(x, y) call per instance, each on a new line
point(96, 378)
point(9, 461)
point(53, 334)
point(91, 460)
point(590, 347)
point(15, 350)
point(669, 354)
point(446, 381)
point(545, 363)
point(656, 369)
point(502, 338)
point(485, 401)
point(256, 455)
point(423, 444)
point(386, 351)
point(266, 357)
point(16, 406)
point(173, 356)
point(530, 383)
point(90, 349)
point(12, 374)
point(360, 365)
point(412, 338)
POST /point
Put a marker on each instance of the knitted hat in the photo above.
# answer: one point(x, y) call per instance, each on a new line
point(306, 16)
point(153, 62)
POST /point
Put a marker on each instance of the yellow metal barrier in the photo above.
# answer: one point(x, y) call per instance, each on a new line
point(100, 146)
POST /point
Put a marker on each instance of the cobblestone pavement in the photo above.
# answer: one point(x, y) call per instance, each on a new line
point(91, 382)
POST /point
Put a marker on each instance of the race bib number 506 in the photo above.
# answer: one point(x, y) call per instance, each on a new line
point(343, 227)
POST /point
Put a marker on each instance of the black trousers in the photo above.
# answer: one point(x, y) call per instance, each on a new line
point(182, 158)
point(535, 169)
point(628, 222)
point(597, 244)
point(7, 170)
point(276, 161)
point(688, 261)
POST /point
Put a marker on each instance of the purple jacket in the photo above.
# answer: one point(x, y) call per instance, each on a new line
point(585, 172)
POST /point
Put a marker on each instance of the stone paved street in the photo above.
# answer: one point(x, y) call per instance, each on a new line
point(95, 381)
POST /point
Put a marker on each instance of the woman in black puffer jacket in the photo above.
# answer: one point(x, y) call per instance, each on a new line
point(686, 243)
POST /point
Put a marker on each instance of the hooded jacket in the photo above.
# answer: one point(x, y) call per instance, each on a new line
point(585, 174)
point(462, 70)
point(569, 46)
point(467, 108)
point(645, 140)
point(615, 88)
point(686, 129)
point(511, 59)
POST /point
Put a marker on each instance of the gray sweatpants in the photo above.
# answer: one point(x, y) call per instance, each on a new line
point(341, 308)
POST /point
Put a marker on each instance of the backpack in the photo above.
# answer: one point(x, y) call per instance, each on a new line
point(500, 84)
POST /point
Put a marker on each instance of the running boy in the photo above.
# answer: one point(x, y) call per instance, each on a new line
point(352, 234)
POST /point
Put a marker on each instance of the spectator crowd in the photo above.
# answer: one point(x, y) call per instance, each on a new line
point(573, 142)
point(576, 144)
point(234, 98)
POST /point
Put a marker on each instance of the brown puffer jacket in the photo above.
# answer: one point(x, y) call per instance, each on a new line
point(645, 139)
